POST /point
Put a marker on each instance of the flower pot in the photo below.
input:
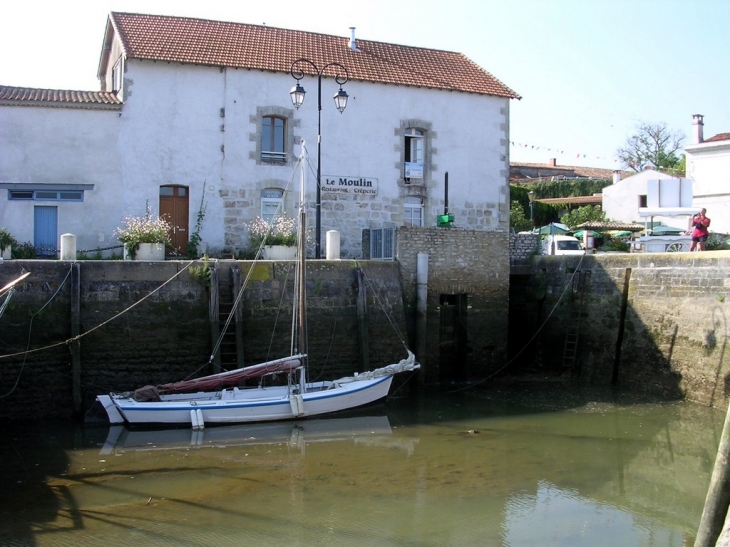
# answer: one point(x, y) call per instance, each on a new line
point(280, 252)
point(6, 255)
point(146, 251)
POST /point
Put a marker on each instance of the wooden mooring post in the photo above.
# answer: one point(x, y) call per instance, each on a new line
point(362, 321)
point(718, 494)
point(75, 345)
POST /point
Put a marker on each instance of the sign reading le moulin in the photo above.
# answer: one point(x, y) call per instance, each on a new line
point(350, 185)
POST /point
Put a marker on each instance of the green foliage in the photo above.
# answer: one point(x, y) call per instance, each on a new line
point(6, 240)
point(93, 256)
point(717, 242)
point(616, 245)
point(569, 187)
point(517, 219)
point(194, 241)
point(652, 144)
point(201, 274)
point(588, 213)
point(544, 213)
point(25, 251)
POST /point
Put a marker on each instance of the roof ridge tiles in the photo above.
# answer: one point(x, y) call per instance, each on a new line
point(245, 45)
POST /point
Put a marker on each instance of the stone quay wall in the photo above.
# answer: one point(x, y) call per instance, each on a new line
point(143, 323)
point(654, 321)
point(464, 334)
point(522, 247)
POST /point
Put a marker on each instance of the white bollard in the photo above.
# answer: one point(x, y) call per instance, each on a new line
point(333, 245)
point(68, 247)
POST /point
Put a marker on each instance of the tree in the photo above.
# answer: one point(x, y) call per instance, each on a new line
point(517, 218)
point(587, 213)
point(652, 144)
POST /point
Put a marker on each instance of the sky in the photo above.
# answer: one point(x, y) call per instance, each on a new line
point(588, 71)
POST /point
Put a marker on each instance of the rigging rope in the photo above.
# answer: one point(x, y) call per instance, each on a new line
point(368, 283)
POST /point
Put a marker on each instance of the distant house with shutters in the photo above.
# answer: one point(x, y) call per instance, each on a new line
point(193, 111)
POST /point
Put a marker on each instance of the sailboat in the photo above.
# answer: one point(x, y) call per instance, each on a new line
point(220, 399)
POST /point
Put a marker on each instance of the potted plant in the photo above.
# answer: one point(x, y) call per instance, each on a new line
point(144, 237)
point(278, 238)
point(7, 242)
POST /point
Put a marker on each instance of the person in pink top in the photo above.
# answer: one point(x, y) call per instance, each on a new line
point(699, 224)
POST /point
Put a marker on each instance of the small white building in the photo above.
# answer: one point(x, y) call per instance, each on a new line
point(641, 198)
point(708, 165)
point(194, 111)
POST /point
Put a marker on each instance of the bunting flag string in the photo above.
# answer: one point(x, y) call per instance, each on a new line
point(578, 155)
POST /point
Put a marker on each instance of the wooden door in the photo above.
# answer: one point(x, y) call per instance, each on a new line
point(174, 208)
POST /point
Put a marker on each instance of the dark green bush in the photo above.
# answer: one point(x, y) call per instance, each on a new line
point(25, 251)
point(615, 245)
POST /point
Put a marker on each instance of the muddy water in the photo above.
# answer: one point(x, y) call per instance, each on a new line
point(511, 466)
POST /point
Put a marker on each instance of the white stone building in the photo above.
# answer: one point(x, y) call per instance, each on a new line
point(192, 110)
point(649, 196)
point(708, 165)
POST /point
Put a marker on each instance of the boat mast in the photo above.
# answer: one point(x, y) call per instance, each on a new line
point(302, 255)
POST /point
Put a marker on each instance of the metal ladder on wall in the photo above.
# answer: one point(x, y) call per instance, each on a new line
point(570, 350)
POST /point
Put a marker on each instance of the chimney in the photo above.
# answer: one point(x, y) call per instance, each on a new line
point(697, 129)
point(616, 176)
point(553, 162)
point(353, 42)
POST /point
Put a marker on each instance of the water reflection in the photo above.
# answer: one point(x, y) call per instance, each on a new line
point(507, 468)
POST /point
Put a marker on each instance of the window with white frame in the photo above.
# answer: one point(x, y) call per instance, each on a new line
point(414, 155)
point(413, 212)
point(273, 139)
point(272, 203)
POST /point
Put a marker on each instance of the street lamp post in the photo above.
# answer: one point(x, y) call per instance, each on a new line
point(531, 197)
point(297, 97)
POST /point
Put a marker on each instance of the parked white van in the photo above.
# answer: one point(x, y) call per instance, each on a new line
point(561, 245)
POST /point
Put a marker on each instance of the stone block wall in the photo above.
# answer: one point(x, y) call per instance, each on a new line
point(468, 270)
point(672, 339)
point(522, 247)
point(148, 323)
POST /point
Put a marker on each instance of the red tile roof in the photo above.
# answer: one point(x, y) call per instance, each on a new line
point(574, 200)
point(238, 45)
point(57, 97)
point(719, 137)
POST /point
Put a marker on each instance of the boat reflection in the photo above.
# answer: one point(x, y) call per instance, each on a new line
point(295, 434)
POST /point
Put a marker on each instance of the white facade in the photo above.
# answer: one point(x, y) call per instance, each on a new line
point(57, 149)
point(629, 199)
point(199, 128)
point(708, 165)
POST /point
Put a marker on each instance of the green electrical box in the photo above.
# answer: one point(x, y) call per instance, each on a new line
point(445, 220)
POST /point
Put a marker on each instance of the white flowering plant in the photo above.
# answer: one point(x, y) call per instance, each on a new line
point(147, 229)
point(281, 231)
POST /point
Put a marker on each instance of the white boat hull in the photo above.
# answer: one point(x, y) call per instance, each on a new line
point(261, 404)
